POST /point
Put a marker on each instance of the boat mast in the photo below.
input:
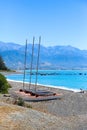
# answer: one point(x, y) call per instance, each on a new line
point(25, 64)
point(31, 62)
point(37, 62)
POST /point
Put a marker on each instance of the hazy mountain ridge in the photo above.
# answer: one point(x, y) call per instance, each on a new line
point(9, 46)
point(54, 57)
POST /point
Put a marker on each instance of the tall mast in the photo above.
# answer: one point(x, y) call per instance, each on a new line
point(25, 63)
point(31, 62)
point(37, 62)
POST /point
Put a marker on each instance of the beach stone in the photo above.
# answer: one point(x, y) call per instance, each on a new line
point(68, 113)
point(13, 117)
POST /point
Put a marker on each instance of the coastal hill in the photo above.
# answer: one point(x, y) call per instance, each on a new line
point(53, 57)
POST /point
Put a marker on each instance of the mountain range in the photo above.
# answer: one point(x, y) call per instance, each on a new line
point(53, 57)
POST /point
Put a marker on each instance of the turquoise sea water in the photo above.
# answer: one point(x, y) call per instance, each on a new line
point(70, 79)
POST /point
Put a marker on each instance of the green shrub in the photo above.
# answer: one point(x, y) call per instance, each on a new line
point(20, 102)
point(4, 86)
point(29, 106)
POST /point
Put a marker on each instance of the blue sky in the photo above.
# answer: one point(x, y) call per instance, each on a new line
point(59, 22)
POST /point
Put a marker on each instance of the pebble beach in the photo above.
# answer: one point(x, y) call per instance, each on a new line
point(67, 113)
